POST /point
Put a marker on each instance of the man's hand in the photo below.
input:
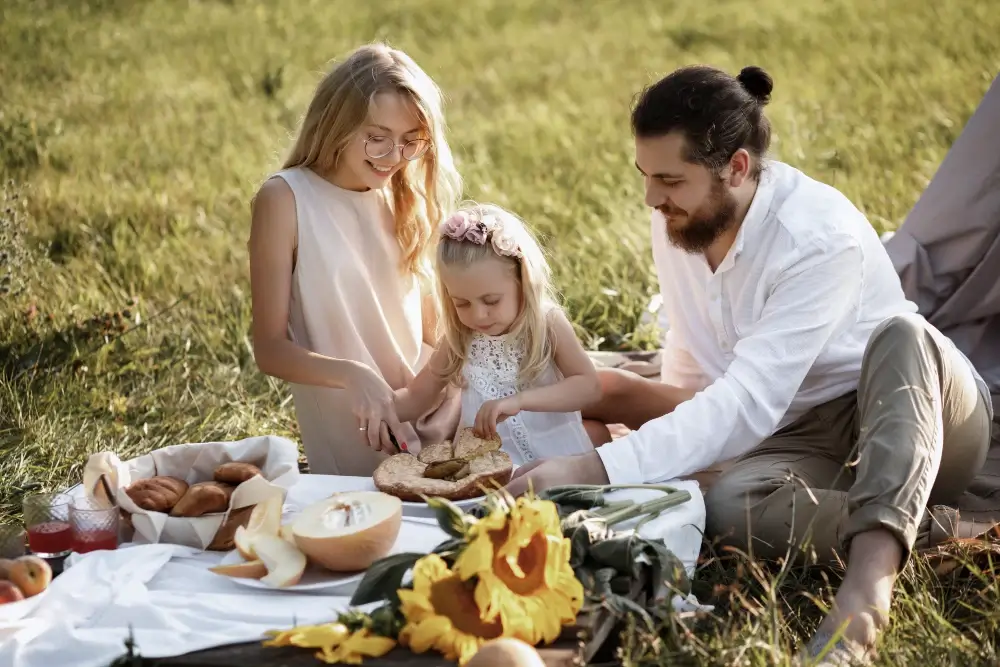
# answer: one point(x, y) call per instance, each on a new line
point(540, 475)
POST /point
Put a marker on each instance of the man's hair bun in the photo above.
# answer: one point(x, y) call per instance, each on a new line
point(757, 82)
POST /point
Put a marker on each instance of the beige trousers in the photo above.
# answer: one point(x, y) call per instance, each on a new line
point(913, 435)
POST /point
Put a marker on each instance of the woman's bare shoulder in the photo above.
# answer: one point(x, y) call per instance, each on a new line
point(273, 206)
point(274, 195)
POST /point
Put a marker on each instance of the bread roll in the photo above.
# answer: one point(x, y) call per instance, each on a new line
point(224, 537)
point(157, 494)
point(203, 498)
point(235, 472)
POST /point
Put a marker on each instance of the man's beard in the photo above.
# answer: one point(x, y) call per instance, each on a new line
point(701, 228)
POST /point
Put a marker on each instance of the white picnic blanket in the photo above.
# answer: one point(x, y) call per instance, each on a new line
point(175, 605)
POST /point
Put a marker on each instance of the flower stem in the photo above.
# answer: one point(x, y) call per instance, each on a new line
point(646, 487)
point(611, 487)
point(649, 507)
point(611, 508)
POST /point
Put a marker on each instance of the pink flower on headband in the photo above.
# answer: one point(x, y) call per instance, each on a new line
point(456, 226)
point(462, 226)
point(476, 233)
point(505, 244)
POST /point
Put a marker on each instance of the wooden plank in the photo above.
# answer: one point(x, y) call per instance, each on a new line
point(563, 654)
point(576, 645)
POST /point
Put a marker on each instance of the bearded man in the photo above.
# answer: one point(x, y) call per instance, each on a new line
point(792, 352)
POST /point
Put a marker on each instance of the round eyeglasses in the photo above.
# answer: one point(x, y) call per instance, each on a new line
point(378, 147)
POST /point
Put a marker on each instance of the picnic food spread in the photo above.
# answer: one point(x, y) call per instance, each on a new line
point(202, 492)
point(164, 493)
point(346, 532)
point(467, 468)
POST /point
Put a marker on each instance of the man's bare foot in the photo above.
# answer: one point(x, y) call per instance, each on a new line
point(861, 607)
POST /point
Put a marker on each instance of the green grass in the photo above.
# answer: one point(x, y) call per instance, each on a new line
point(133, 133)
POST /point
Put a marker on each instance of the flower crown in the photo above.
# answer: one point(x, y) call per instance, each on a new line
point(478, 228)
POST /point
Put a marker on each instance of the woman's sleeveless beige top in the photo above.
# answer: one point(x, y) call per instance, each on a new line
point(350, 300)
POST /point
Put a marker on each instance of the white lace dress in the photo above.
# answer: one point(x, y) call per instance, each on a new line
point(491, 372)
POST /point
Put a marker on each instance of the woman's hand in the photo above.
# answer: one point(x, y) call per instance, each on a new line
point(493, 412)
point(373, 403)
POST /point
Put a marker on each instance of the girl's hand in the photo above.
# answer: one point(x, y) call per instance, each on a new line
point(493, 412)
point(373, 403)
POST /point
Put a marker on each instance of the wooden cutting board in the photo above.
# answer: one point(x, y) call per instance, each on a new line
point(576, 646)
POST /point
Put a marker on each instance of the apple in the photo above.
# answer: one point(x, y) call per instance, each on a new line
point(10, 593)
point(5, 567)
point(31, 574)
point(506, 651)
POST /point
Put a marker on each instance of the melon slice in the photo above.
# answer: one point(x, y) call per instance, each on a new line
point(283, 560)
point(253, 569)
point(349, 531)
point(243, 540)
point(266, 516)
point(265, 519)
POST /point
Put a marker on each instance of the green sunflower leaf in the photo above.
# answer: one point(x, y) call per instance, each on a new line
point(384, 577)
point(450, 516)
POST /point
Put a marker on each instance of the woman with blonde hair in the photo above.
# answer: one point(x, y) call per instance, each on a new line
point(343, 302)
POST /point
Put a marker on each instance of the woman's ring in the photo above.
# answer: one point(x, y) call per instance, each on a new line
point(363, 428)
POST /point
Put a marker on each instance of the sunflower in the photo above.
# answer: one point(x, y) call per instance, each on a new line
point(521, 561)
point(441, 613)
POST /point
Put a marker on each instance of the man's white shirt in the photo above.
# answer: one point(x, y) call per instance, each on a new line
point(780, 327)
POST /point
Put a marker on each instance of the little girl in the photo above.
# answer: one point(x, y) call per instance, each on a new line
point(524, 374)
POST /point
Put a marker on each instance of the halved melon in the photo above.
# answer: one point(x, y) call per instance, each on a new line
point(283, 560)
point(349, 531)
point(252, 569)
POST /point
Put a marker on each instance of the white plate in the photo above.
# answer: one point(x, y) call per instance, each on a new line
point(422, 509)
point(413, 536)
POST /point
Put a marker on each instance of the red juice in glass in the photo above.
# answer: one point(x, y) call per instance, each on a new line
point(50, 537)
point(95, 526)
point(95, 540)
point(46, 520)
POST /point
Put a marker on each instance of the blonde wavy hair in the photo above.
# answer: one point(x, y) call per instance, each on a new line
point(538, 300)
point(423, 190)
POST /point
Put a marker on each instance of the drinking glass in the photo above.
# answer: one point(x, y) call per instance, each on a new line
point(46, 518)
point(95, 526)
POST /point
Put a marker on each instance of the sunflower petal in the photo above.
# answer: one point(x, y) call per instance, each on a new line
point(475, 558)
point(431, 633)
point(465, 648)
point(414, 606)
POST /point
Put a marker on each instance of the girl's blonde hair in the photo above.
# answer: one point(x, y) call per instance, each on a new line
point(423, 190)
point(504, 236)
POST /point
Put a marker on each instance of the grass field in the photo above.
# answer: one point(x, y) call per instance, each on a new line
point(133, 133)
